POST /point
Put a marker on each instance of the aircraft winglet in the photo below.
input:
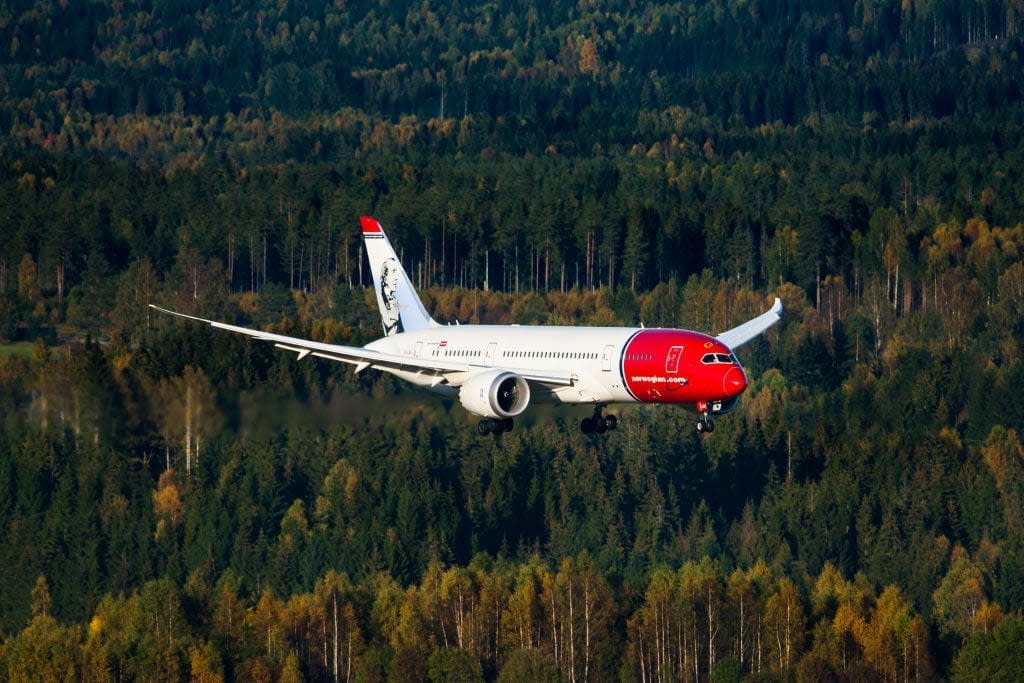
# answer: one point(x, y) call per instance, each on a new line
point(740, 335)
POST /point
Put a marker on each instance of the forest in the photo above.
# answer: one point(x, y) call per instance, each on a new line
point(182, 504)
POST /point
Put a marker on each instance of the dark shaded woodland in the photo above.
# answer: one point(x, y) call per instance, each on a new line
point(177, 503)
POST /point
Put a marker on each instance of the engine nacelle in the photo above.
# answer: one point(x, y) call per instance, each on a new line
point(495, 393)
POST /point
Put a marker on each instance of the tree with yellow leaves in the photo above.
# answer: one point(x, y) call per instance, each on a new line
point(960, 595)
point(167, 504)
point(786, 623)
point(45, 650)
point(746, 592)
point(1004, 457)
point(206, 665)
point(590, 62)
point(337, 631)
point(521, 619)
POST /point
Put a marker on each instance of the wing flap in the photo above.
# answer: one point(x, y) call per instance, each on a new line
point(542, 377)
point(561, 379)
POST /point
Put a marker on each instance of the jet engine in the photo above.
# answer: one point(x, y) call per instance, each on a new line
point(496, 393)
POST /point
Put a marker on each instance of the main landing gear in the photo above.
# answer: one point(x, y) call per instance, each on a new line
point(598, 423)
point(490, 425)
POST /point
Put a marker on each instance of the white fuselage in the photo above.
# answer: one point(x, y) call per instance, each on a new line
point(591, 354)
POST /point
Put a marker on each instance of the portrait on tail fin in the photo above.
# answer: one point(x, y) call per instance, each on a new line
point(390, 313)
point(400, 307)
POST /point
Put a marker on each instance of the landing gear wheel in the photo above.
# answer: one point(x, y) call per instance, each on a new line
point(598, 423)
point(705, 424)
point(490, 426)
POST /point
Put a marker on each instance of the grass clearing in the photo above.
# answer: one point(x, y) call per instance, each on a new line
point(21, 349)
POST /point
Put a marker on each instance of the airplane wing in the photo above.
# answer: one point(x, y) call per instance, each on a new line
point(454, 373)
point(738, 336)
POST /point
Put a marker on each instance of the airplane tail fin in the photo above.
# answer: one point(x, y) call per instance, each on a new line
point(400, 307)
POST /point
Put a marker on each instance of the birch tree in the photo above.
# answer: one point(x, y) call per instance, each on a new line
point(784, 616)
point(338, 634)
point(187, 412)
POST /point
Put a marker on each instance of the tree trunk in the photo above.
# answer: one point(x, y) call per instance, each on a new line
point(334, 602)
point(231, 259)
point(252, 264)
point(348, 655)
point(586, 619)
point(711, 633)
point(572, 637)
point(60, 281)
point(643, 661)
point(188, 428)
point(554, 626)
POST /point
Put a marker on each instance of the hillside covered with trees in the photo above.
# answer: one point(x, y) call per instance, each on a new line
point(177, 503)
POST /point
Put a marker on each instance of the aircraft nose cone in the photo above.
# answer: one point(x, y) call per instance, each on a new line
point(734, 382)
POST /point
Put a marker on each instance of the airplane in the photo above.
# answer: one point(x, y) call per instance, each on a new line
point(497, 371)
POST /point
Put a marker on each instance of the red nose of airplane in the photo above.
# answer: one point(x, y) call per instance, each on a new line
point(734, 382)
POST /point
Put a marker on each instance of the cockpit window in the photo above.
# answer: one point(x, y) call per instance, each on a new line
point(713, 358)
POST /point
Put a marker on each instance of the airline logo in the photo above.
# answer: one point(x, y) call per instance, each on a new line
point(672, 359)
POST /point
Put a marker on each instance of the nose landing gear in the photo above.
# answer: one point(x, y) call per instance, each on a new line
point(705, 423)
point(598, 423)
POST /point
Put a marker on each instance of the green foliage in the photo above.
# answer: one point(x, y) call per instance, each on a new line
point(337, 486)
point(44, 651)
point(454, 665)
point(728, 670)
point(530, 665)
point(995, 656)
point(572, 163)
